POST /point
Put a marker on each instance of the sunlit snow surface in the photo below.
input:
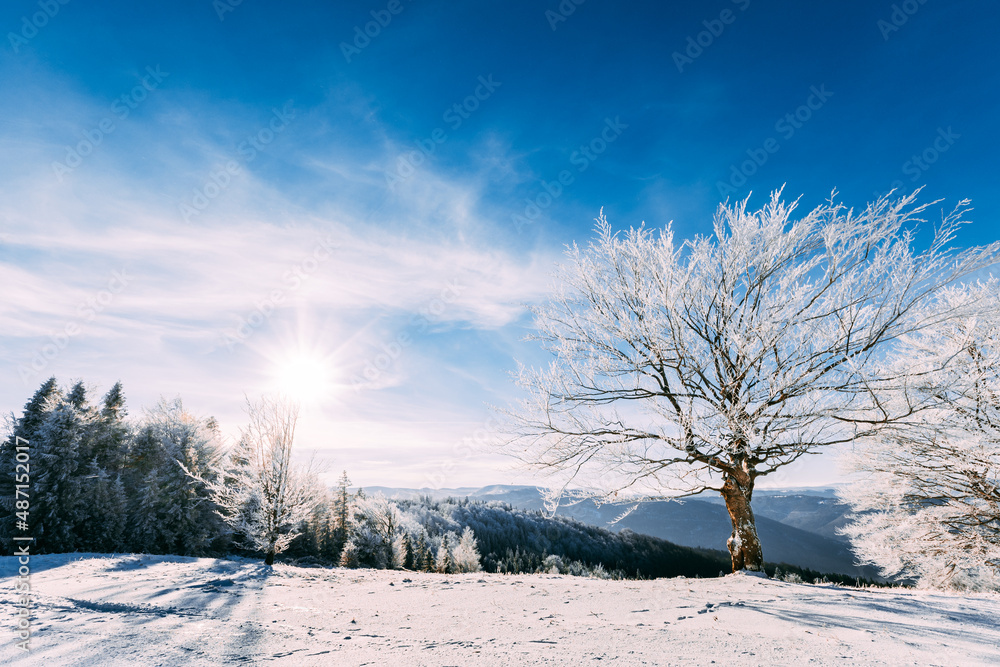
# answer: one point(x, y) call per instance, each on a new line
point(164, 610)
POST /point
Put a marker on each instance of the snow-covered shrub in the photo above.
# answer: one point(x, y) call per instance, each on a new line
point(553, 565)
point(598, 572)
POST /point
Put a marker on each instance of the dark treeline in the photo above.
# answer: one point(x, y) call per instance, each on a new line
point(518, 541)
point(100, 482)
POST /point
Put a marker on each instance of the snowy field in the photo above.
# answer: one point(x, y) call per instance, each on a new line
point(162, 610)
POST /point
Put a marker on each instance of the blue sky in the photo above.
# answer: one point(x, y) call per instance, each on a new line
point(210, 200)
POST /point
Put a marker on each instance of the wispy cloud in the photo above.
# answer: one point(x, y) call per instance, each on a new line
point(349, 272)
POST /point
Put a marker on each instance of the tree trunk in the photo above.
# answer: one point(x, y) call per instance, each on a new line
point(269, 557)
point(744, 545)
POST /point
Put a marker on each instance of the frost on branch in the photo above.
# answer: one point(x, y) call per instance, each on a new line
point(928, 498)
point(680, 367)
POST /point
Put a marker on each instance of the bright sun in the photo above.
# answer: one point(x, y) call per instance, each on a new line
point(304, 378)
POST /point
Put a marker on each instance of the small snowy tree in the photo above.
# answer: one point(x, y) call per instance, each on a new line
point(928, 498)
point(706, 365)
point(341, 516)
point(421, 553)
point(444, 563)
point(402, 554)
point(467, 553)
point(263, 495)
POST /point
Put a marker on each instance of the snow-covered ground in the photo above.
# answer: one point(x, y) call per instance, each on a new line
point(162, 610)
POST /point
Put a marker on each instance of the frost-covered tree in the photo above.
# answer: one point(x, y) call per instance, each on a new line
point(77, 397)
point(263, 495)
point(705, 365)
point(466, 554)
point(374, 529)
point(928, 495)
point(445, 562)
point(421, 553)
point(170, 467)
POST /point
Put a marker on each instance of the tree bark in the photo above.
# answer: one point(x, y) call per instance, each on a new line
point(744, 545)
point(269, 557)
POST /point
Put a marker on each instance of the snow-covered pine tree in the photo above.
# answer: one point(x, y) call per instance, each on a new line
point(77, 397)
point(420, 553)
point(467, 553)
point(406, 547)
point(148, 530)
point(58, 505)
point(341, 516)
point(444, 563)
point(111, 433)
point(21, 430)
point(103, 527)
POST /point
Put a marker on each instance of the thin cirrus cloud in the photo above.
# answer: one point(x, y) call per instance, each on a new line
point(138, 292)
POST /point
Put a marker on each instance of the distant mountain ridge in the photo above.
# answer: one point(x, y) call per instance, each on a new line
point(796, 526)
